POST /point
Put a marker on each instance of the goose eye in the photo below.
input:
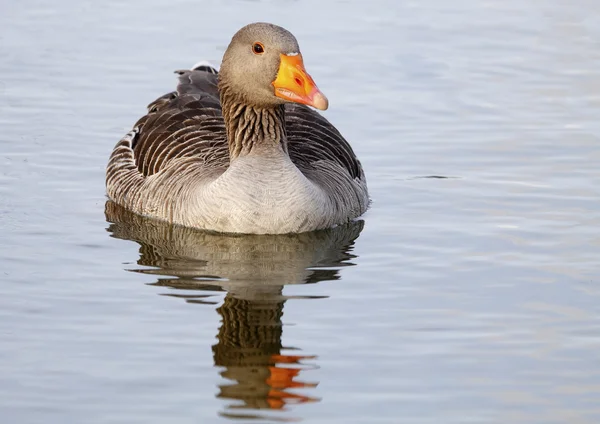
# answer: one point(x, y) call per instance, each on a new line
point(258, 48)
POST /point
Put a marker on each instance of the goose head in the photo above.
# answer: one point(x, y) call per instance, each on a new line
point(263, 67)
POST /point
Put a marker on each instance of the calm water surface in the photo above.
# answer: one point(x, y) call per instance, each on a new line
point(473, 298)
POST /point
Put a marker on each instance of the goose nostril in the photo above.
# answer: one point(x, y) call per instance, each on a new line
point(298, 81)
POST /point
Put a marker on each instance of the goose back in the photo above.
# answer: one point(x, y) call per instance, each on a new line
point(188, 123)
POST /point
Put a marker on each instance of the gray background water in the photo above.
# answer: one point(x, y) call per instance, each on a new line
point(468, 299)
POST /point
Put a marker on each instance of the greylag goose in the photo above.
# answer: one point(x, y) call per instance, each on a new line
point(238, 150)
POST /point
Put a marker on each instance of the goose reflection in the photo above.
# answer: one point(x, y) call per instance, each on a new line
point(252, 270)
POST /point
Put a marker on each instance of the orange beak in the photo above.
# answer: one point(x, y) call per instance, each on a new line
point(295, 85)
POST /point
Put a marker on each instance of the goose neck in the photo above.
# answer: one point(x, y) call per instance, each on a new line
point(252, 129)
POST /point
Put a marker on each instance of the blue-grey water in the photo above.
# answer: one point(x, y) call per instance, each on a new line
point(468, 299)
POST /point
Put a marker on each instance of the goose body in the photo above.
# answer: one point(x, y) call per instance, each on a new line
point(222, 153)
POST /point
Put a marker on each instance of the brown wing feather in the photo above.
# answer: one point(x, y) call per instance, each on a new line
point(184, 123)
point(312, 138)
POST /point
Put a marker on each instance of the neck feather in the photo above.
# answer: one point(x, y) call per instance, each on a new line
point(251, 129)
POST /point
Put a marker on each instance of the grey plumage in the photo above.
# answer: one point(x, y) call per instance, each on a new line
point(173, 164)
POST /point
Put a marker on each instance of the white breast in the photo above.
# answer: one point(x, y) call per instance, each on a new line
point(259, 194)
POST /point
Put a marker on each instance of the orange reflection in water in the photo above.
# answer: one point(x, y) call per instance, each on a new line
point(249, 349)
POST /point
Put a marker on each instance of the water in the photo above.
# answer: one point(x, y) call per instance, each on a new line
point(472, 298)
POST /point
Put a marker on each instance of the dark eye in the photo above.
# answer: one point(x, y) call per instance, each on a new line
point(258, 48)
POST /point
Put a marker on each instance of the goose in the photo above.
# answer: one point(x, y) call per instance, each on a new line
point(240, 150)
